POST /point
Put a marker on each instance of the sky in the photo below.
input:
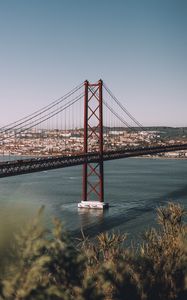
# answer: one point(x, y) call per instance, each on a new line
point(138, 47)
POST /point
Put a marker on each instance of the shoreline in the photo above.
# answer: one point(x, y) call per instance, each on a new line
point(142, 157)
point(158, 157)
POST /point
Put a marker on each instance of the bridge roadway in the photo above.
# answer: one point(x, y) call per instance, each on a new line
point(25, 166)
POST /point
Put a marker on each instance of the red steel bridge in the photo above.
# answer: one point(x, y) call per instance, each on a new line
point(87, 126)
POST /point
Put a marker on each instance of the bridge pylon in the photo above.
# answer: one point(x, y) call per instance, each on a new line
point(93, 173)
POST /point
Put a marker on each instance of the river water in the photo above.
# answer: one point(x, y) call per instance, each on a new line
point(133, 187)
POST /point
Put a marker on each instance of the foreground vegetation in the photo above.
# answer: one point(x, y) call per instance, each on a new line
point(36, 264)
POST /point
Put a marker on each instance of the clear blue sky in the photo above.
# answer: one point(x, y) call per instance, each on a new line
point(138, 47)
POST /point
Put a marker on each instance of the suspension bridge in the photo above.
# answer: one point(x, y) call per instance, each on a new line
point(87, 126)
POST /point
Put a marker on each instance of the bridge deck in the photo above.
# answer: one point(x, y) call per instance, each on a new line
point(25, 166)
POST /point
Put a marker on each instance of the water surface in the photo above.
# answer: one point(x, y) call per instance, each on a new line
point(133, 187)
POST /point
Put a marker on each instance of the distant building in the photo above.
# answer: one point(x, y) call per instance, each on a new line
point(113, 132)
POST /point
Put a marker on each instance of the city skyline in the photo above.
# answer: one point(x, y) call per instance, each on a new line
point(137, 47)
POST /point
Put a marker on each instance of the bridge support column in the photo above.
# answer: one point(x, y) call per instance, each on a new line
point(93, 173)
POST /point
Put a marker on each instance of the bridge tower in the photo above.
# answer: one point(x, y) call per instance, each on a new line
point(93, 173)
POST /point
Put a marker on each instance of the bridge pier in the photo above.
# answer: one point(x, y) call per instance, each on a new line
point(93, 173)
point(93, 204)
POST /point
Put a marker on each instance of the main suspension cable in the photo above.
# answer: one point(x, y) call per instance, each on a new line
point(123, 108)
point(40, 111)
point(46, 117)
point(118, 117)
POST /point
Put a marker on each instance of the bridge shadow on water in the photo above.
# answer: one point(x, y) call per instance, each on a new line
point(143, 213)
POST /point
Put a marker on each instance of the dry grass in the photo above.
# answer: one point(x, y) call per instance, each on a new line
point(39, 265)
